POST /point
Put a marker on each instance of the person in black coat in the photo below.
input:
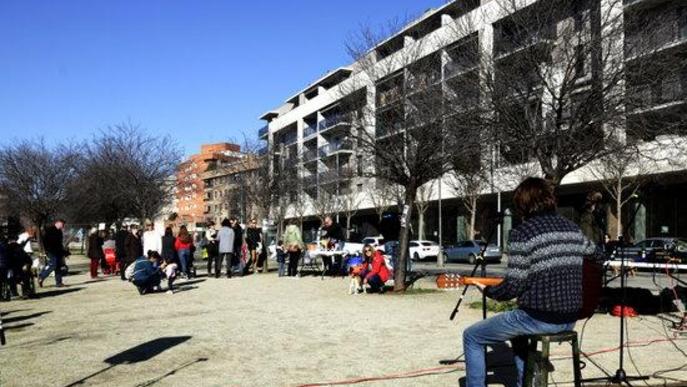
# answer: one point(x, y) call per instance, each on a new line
point(95, 252)
point(238, 241)
point(20, 267)
point(168, 253)
point(53, 244)
point(253, 238)
point(133, 247)
point(120, 249)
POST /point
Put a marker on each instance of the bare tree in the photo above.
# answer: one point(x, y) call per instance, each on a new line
point(350, 199)
point(470, 187)
point(621, 174)
point(424, 196)
point(36, 178)
point(127, 172)
point(402, 129)
point(557, 85)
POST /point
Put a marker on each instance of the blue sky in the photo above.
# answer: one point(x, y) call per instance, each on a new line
point(201, 71)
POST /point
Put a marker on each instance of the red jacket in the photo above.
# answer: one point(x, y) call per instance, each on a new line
point(179, 245)
point(379, 267)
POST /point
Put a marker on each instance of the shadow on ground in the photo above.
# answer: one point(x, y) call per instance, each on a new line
point(57, 292)
point(140, 353)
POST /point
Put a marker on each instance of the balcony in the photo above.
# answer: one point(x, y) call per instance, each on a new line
point(288, 139)
point(456, 68)
point(511, 44)
point(310, 155)
point(650, 98)
point(422, 81)
point(670, 34)
point(388, 97)
point(334, 148)
point(309, 131)
point(334, 121)
point(263, 151)
point(309, 181)
point(262, 132)
point(335, 176)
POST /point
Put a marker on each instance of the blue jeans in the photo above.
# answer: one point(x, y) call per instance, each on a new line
point(184, 258)
point(282, 268)
point(498, 329)
point(54, 262)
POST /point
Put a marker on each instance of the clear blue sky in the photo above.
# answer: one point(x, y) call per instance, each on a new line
point(201, 71)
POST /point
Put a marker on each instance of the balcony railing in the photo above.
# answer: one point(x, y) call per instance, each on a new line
point(262, 132)
point(642, 97)
point(388, 97)
point(334, 120)
point(671, 32)
point(330, 149)
point(310, 155)
point(457, 67)
point(263, 151)
point(289, 139)
point(423, 80)
point(309, 130)
point(334, 176)
point(509, 44)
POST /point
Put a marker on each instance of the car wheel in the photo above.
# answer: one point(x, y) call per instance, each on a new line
point(416, 257)
point(472, 259)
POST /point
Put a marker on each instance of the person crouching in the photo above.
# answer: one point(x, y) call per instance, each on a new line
point(379, 273)
point(147, 274)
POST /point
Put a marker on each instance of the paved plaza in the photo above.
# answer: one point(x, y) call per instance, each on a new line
point(267, 331)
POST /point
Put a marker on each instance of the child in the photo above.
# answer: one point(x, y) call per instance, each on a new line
point(168, 267)
point(281, 258)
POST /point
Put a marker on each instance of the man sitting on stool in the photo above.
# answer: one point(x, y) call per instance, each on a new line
point(544, 273)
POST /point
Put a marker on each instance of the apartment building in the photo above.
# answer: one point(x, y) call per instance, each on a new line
point(225, 188)
point(190, 187)
point(314, 131)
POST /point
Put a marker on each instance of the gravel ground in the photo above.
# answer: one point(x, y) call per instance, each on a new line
point(268, 331)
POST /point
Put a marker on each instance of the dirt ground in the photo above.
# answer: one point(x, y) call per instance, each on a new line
point(263, 330)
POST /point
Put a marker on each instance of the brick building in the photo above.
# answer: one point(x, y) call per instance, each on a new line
point(190, 187)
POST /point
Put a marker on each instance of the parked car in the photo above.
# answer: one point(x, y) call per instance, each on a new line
point(420, 250)
point(357, 248)
point(468, 251)
point(657, 249)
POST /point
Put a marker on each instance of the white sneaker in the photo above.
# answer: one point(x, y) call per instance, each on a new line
point(170, 292)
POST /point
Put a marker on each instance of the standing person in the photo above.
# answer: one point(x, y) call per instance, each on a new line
point(545, 275)
point(212, 250)
point(168, 252)
point(253, 238)
point(25, 239)
point(133, 247)
point(281, 258)
point(225, 239)
point(334, 235)
point(152, 240)
point(183, 246)
point(294, 245)
point(95, 252)
point(238, 262)
point(120, 249)
point(53, 240)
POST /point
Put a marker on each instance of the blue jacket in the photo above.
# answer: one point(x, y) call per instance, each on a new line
point(143, 270)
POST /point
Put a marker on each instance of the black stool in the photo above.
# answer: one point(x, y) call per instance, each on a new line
point(539, 360)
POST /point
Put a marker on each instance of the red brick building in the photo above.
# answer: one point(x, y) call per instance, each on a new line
point(190, 190)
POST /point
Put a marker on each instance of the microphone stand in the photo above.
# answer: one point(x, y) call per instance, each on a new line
point(481, 264)
point(621, 376)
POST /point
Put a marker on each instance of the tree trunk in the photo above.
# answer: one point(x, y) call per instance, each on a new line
point(619, 207)
point(400, 269)
point(473, 217)
point(348, 227)
point(421, 225)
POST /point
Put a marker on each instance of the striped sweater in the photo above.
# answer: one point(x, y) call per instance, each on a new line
point(545, 268)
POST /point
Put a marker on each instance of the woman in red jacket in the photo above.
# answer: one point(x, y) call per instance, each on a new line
point(379, 273)
point(184, 247)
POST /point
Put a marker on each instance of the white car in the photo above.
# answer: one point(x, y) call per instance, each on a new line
point(420, 250)
point(377, 242)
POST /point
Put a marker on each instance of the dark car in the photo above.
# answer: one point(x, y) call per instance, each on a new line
point(659, 249)
point(468, 251)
